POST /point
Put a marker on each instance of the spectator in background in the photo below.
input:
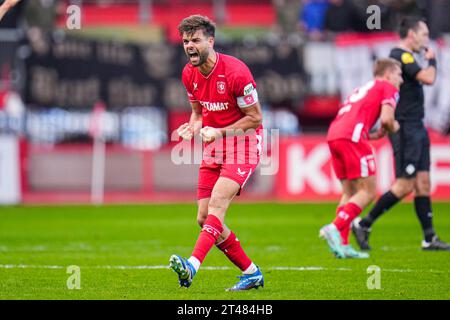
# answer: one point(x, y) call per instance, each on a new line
point(338, 16)
point(407, 7)
point(41, 14)
point(312, 17)
point(287, 15)
point(437, 12)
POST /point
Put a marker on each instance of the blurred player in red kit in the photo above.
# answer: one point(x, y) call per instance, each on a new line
point(224, 100)
point(352, 156)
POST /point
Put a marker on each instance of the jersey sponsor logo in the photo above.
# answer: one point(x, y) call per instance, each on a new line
point(407, 58)
point(221, 87)
point(214, 106)
point(248, 89)
point(195, 86)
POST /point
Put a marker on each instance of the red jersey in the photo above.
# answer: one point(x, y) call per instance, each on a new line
point(361, 110)
point(223, 92)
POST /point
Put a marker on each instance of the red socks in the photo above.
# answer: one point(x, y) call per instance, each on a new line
point(345, 217)
point(231, 247)
point(346, 231)
point(212, 228)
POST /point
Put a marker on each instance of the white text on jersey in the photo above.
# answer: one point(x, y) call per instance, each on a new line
point(214, 106)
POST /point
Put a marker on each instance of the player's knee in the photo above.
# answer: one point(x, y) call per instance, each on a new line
point(423, 187)
point(403, 187)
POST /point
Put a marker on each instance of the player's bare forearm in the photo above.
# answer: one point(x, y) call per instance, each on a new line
point(251, 120)
point(196, 120)
point(427, 76)
point(388, 121)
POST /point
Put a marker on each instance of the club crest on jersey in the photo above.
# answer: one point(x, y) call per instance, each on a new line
point(221, 87)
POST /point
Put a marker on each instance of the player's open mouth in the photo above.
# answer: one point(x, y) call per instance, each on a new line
point(193, 56)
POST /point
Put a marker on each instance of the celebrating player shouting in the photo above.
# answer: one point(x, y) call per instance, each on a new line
point(223, 97)
point(352, 156)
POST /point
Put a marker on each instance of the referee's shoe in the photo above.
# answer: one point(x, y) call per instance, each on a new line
point(435, 244)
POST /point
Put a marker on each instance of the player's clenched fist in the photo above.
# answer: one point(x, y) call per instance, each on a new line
point(185, 132)
point(209, 134)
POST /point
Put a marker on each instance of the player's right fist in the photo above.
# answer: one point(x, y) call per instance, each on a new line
point(185, 132)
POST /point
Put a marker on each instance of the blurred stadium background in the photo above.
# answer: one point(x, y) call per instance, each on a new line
point(305, 56)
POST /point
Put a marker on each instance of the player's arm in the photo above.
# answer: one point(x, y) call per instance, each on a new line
point(8, 4)
point(428, 74)
point(251, 120)
point(388, 123)
point(196, 120)
point(191, 128)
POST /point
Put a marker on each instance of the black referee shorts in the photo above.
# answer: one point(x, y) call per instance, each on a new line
point(411, 146)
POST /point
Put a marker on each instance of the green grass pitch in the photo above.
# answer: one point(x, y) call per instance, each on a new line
point(123, 253)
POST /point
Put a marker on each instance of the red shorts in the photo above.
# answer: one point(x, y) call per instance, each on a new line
point(352, 160)
point(239, 169)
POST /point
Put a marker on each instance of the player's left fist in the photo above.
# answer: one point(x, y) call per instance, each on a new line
point(209, 134)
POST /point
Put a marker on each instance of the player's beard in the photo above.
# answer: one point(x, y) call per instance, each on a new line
point(200, 59)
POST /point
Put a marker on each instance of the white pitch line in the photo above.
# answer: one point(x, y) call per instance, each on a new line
point(161, 267)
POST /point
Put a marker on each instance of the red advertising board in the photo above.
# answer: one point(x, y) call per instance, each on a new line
point(305, 171)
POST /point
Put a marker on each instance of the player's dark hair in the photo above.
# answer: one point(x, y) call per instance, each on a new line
point(409, 23)
point(382, 65)
point(193, 23)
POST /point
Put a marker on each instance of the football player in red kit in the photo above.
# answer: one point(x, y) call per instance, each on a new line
point(352, 156)
point(223, 97)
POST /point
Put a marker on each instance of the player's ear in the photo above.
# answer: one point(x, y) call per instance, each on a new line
point(211, 41)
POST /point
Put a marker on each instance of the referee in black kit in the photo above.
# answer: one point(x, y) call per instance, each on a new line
point(411, 143)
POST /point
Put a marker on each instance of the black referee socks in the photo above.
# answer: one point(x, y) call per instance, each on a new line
point(386, 201)
point(425, 215)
